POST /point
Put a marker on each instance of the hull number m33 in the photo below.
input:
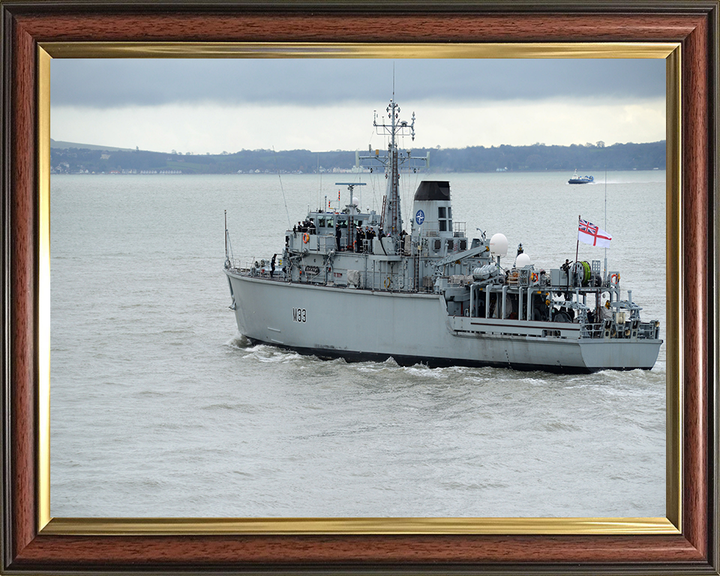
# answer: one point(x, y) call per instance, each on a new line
point(299, 315)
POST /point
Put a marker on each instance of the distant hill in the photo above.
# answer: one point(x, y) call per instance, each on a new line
point(81, 158)
point(64, 145)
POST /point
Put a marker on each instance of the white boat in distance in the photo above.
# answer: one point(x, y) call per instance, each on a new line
point(575, 179)
point(355, 285)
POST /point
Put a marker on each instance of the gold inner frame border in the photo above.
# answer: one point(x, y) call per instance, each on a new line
point(671, 524)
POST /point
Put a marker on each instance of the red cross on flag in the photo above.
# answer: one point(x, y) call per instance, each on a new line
point(591, 234)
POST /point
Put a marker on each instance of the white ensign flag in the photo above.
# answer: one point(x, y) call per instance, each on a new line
point(591, 234)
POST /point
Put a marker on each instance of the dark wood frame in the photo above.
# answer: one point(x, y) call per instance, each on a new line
point(694, 24)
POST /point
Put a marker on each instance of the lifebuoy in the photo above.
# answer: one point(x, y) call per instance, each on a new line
point(306, 237)
point(615, 278)
point(387, 282)
point(534, 277)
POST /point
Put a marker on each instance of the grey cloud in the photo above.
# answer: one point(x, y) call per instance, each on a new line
point(113, 83)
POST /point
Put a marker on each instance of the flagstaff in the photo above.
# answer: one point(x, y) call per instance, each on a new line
point(577, 244)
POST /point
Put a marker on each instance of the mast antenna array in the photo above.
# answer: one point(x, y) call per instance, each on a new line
point(391, 161)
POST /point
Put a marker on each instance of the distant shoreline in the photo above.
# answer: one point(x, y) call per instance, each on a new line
point(478, 159)
point(598, 180)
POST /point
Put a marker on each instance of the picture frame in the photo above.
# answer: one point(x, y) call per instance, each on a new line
point(686, 540)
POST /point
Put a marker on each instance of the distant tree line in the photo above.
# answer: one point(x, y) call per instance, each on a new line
point(538, 157)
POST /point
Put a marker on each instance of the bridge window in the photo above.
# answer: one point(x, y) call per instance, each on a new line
point(444, 219)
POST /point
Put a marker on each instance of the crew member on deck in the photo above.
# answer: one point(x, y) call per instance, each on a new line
point(566, 268)
point(605, 313)
point(360, 235)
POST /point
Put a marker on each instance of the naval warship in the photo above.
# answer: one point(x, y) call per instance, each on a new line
point(357, 285)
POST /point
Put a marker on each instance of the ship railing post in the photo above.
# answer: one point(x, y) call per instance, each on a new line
point(472, 303)
point(520, 304)
point(529, 303)
point(504, 301)
point(227, 256)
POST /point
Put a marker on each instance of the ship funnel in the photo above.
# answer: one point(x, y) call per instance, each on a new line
point(432, 209)
point(433, 191)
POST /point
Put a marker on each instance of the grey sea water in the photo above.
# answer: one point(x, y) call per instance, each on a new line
point(160, 408)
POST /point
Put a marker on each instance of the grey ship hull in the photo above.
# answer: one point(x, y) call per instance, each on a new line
point(358, 324)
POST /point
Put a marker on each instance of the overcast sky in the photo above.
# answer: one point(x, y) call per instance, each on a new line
point(228, 105)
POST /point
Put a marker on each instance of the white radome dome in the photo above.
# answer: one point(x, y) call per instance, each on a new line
point(522, 261)
point(498, 245)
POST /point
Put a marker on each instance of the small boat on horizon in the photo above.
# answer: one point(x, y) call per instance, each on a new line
point(580, 179)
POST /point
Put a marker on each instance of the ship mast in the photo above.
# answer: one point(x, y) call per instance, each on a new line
point(392, 214)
